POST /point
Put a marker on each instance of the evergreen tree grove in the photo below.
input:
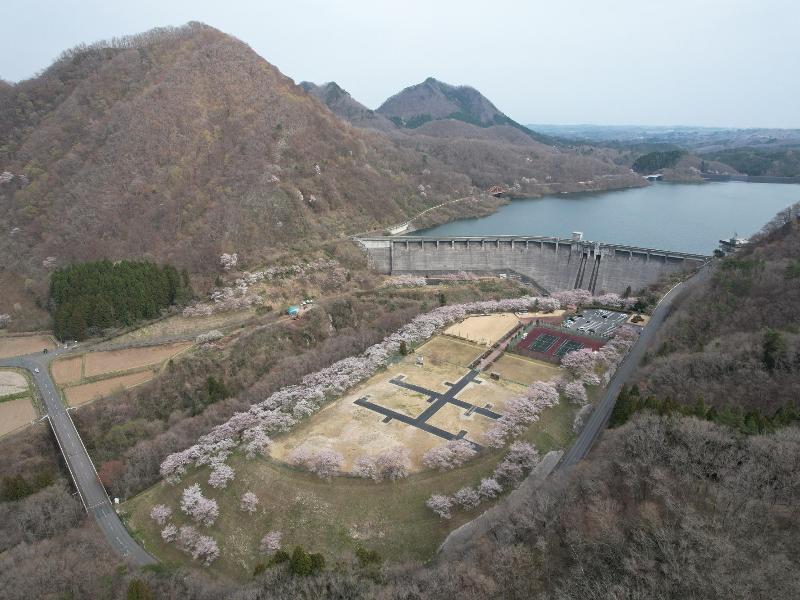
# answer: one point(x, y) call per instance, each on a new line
point(103, 294)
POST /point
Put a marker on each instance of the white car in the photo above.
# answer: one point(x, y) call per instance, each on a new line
point(36, 370)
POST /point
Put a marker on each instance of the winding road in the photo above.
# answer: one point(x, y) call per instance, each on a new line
point(91, 490)
point(602, 411)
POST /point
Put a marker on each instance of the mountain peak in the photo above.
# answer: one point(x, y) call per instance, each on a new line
point(434, 100)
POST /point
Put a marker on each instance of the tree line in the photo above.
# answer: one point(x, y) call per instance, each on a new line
point(91, 296)
point(751, 422)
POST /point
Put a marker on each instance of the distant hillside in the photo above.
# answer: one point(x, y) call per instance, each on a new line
point(346, 107)
point(467, 133)
point(180, 144)
point(734, 342)
point(434, 100)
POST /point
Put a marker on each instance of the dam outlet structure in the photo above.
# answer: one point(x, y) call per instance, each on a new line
point(548, 263)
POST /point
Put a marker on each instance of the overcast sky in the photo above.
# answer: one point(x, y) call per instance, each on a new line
point(652, 62)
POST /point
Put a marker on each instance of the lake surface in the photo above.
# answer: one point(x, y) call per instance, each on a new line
point(666, 216)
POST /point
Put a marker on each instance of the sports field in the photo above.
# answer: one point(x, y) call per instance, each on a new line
point(484, 329)
point(524, 370)
point(443, 349)
point(407, 404)
point(552, 344)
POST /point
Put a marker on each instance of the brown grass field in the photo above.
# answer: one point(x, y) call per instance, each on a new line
point(441, 349)
point(523, 370)
point(15, 414)
point(11, 383)
point(357, 431)
point(484, 329)
point(179, 326)
point(81, 394)
point(67, 370)
point(112, 361)
point(24, 344)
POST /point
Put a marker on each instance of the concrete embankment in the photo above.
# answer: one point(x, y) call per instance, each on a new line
point(553, 263)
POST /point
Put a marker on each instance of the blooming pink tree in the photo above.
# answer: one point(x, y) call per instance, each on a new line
point(581, 417)
point(169, 533)
point(440, 505)
point(449, 456)
point(365, 467)
point(271, 542)
point(160, 513)
point(521, 458)
point(249, 502)
point(203, 510)
point(201, 547)
point(221, 475)
point(579, 362)
point(489, 488)
point(467, 497)
point(393, 464)
point(229, 261)
point(325, 463)
point(576, 393)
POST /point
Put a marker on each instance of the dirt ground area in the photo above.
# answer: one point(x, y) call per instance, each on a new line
point(484, 329)
point(523, 370)
point(179, 326)
point(81, 394)
point(24, 344)
point(67, 370)
point(645, 319)
point(530, 316)
point(12, 383)
point(112, 361)
point(357, 431)
point(15, 414)
point(442, 349)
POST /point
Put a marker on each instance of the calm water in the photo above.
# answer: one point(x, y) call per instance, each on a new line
point(668, 216)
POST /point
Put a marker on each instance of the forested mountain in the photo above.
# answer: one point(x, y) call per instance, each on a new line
point(180, 144)
point(348, 108)
point(434, 100)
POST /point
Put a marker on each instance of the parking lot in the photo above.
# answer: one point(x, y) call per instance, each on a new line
point(596, 322)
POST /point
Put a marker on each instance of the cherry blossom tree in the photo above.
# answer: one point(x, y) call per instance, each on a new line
point(489, 488)
point(160, 513)
point(324, 463)
point(169, 533)
point(270, 542)
point(576, 393)
point(579, 362)
point(440, 505)
point(256, 442)
point(201, 547)
point(203, 510)
point(229, 261)
point(393, 464)
point(467, 497)
point(365, 467)
point(449, 456)
point(221, 475)
point(521, 458)
point(581, 417)
point(249, 502)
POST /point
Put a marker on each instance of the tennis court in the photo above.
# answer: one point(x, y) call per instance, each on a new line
point(543, 343)
point(568, 346)
point(546, 343)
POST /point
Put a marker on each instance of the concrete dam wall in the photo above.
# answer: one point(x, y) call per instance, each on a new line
point(552, 264)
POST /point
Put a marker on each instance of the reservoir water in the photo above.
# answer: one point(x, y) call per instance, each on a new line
point(668, 216)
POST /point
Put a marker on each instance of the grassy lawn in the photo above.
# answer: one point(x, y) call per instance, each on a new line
point(332, 518)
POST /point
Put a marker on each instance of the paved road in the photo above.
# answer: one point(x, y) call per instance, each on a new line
point(91, 490)
point(602, 412)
